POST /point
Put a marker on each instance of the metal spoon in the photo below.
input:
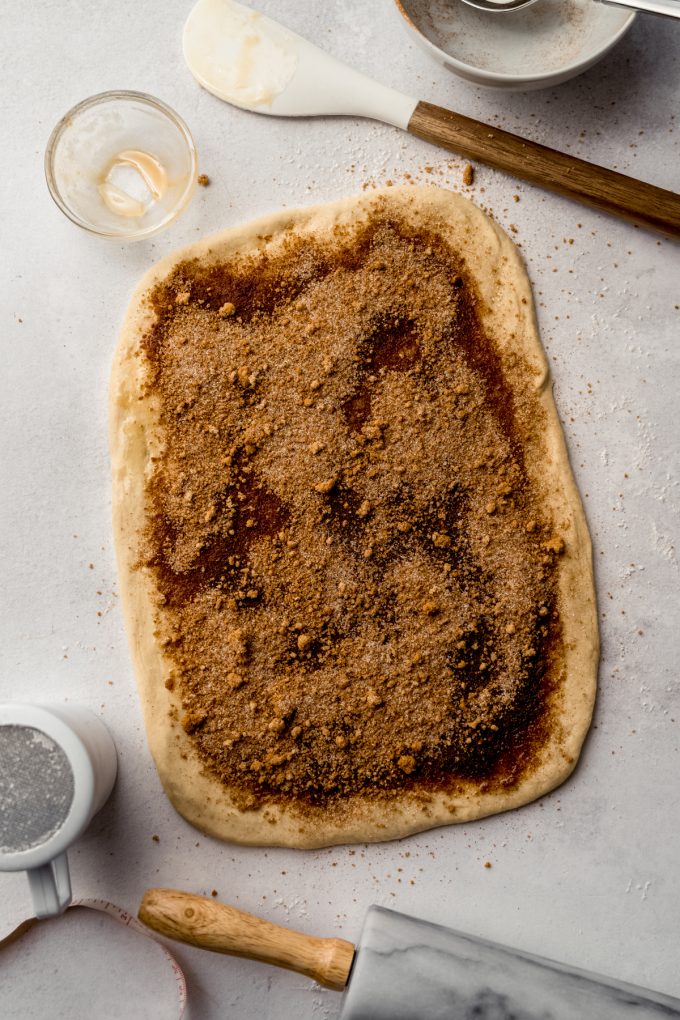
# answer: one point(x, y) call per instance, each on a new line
point(669, 8)
point(255, 63)
point(496, 6)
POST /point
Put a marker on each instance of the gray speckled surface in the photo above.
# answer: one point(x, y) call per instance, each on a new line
point(588, 875)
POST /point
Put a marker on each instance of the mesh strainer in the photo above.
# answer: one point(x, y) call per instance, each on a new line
point(57, 769)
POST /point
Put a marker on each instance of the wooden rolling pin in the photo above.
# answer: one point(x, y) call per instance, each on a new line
point(223, 929)
point(404, 969)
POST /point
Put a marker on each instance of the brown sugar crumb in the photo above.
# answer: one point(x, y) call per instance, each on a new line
point(468, 174)
point(203, 180)
point(326, 486)
point(234, 681)
point(192, 720)
point(356, 594)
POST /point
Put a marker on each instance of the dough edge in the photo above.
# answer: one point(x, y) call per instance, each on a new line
point(499, 273)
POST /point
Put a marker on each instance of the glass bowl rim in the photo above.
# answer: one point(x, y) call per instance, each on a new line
point(96, 100)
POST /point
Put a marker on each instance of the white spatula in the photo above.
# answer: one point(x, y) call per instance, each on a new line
point(257, 64)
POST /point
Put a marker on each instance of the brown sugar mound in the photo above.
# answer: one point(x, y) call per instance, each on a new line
point(355, 575)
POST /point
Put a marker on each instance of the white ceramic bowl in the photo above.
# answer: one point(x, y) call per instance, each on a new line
point(531, 48)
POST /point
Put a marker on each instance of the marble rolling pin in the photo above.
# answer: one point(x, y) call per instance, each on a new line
point(405, 969)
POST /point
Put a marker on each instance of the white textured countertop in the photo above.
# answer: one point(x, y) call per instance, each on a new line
point(588, 875)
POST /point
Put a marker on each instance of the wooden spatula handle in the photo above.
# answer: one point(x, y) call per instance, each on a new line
point(223, 929)
point(592, 185)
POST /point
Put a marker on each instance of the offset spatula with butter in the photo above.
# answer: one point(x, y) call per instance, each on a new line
point(404, 969)
point(257, 64)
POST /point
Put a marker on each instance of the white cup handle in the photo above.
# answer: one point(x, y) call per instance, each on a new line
point(50, 887)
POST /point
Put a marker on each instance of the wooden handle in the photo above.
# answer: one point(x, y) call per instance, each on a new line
point(209, 925)
point(592, 185)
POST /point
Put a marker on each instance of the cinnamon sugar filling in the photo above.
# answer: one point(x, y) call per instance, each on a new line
point(357, 588)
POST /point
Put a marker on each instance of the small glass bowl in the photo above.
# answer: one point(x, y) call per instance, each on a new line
point(84, 145)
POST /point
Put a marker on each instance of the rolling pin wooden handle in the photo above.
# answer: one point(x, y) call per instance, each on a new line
point(592, 185)
point(223, 929)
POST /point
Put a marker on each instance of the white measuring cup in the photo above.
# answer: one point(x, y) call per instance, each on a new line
point(57, 768)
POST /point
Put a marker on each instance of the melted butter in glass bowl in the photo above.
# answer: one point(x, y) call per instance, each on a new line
point(121, 165)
